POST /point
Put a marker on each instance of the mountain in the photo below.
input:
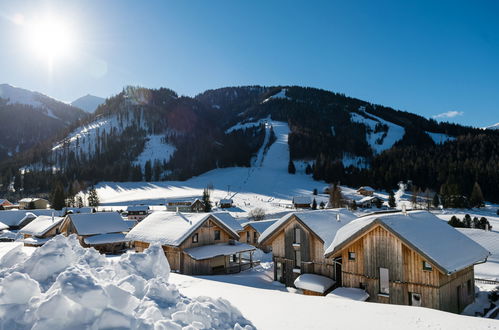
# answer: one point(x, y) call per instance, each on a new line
point(495, 126)
point(30, 117)
point(88, 103)
point(151, 135)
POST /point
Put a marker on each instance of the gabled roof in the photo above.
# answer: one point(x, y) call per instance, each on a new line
point(229, 220)
point(226, 201)
point(302, 200)
point(435, 240)
point(31, 199)
point(87, 209)
point(4, 201)
point(41, 225)
point(322, 223)
point(366, 188)
point(98, 223)
point(260, 226)
point(172, 228)
point(137, 208)
point(3, 226)
point(14, 218)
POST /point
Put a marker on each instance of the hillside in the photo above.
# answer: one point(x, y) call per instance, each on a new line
point(30, 118)
point(154, 135)
point(88, 103)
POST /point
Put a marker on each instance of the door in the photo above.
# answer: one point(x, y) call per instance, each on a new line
point(459, 299)
point(337, 271)
point(384, 281)
point(414, 299)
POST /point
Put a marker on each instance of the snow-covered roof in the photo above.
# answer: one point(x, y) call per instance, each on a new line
point(170, 228)
point(98, 223)
point(440, 243)
point(216, 250)
point(314, 282)
point(260, 226)
point(40, 225)
point(226, 201)
point(137, 208)
point(349, 293)
point(302, 200)
point(16, 217)
point(3, 200)
point(106, 239)
point(322, 222)
point(87, 209)
point(36, 241)
point(30, 199)
point(366, 188)
point(229, 220)
point(3, 226)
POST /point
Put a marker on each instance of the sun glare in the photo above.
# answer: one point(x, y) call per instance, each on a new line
point(51, 38)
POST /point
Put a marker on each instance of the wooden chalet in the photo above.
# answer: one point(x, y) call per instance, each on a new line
point(302, 202)
point(226, 203)
point(105, 231)
point(194, 243)
point(33, 203)
point(409, 258)
point(299, 241)
point(40, 230)
point(137, 212)
point(195, 205)
point(251, 231)
point(365, 191)
point(17, 219)
point(5, 203)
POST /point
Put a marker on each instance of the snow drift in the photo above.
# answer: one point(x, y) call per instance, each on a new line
point(63, 286)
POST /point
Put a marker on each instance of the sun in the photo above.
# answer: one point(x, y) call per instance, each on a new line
point(51, 38)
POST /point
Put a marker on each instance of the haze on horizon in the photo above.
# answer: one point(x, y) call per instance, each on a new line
point(437, 59)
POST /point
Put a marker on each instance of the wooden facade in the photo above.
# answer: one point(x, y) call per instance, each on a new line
point(298, 250)
point(206, 234)
point(38, 203)
point(250, 236)
point(378, 256)
point(49, 234)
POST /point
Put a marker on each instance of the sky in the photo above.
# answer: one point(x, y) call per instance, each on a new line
point(439, 59)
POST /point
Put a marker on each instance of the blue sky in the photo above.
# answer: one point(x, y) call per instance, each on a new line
point(427, 57)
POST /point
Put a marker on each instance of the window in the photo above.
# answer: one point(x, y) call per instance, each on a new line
point(427, 266)
point(297, 259)
point(195, 238)
point(248, 237)
point(217, 235)
point(297, 235)
point(351, 255)
point(469, 287)
point(255, 237)
point(384, 281)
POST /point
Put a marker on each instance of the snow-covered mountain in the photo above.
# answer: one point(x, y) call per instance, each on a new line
point(495, 126)
point(88, 103)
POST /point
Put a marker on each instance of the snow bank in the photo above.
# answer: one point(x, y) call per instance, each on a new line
point(314, 282)
point(64, 286)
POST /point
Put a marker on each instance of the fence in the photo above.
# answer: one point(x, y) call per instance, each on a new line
point(485, 281)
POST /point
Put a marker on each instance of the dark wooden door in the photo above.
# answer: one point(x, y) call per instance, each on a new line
point(337, 271)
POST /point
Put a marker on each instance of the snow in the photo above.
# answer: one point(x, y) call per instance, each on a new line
point(322, 222)
point(349, 293)
point(378, 141)
point(88, 103)
point(16, 217)
point(64, 286)
point(421, 229)
point(106, 238)
point(490, 241)
point(241, 126)
point(280, 95)
point(495, 126)
point(440, 138)
point(314, 282)
point(155, 149)
point(366, 188)
point(35, 241)
point(3, 226)
point(98, 223)
point(229, 220)
point(355, 161)
point(302, 200)
point(40, 225)
point(216, 250)
point(260, 226)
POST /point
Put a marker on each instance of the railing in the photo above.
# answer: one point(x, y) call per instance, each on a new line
point(235, 267)
point(485, 281)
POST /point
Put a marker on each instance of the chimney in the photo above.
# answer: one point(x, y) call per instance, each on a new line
point(338, 217)
point(404, 210)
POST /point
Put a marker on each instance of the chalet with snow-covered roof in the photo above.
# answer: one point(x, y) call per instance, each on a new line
point(299, 241)
point(407, 258)
point(226, 203)
point(137, 212)
point(5, 204)
point(74, 210)
point(185, 205)
point(365, 191)
point(302, 202)
point(40, 230)
point(368, 202)
point(33, 203)
point(17, 219)
point(251, 231)
point(105, 231)
point(194, 243)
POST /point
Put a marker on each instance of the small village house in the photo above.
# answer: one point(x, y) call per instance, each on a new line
point(33, 203)
point(137, 212)
point(74, 210)
point(365, 191)
point(407, 258)
point(251, 231)
point(299, 241)
point(40, 230)
point(302, 202)
point(185, 205)
point(105, 231)
point(5, 204)
point(194, 243)
point(226, 203)
point(16, 219)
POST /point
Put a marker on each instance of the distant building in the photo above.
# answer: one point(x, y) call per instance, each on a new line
point(37, 203)
point(185, 205)
point(226, 203)
point(302, 202)
point(5, 203)
point(137, 212)
point(75, 210)
point(251, 231)
point(40, 230)
point(365, 191)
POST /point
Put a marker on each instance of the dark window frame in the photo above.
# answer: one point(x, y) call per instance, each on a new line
point(427, 266)
point(352, 256)
point(195, 238)
point(217, 235)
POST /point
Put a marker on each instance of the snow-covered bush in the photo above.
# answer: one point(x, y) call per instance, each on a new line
point(64, 286)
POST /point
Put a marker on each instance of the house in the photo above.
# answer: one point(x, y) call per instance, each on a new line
point(407, 258)
point(365, 191)
point(369, 202)
point(33, 203)
point(183, 205)
point(299, 241)
point(302, 202)
point(194, 243)
point(137, 212)
point(5, 203)
point(17, 219)
point(40, 230)
point(251, 231)
point(226, 203)
point(74, 210)
point(105, 231)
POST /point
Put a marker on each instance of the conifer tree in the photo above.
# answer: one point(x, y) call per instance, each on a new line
point(93, 197)
point(476, 198)
point(391, 199)
point(206, 200)
point(436, 201)
point(291, 167)
point(314, 205)
point(58, 198)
